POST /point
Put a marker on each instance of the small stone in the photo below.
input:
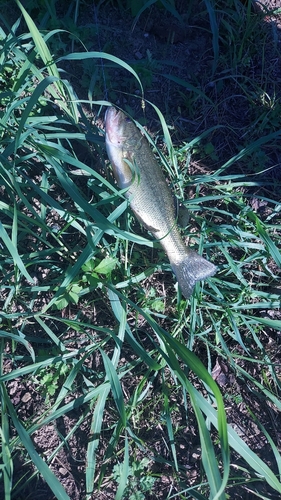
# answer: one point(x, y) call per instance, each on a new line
point(63, 471)
point(26, 397)
point(138, 55)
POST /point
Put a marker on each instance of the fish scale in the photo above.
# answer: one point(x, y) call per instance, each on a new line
point(135, 168)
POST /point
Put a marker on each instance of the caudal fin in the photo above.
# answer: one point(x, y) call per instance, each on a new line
point(192, 268)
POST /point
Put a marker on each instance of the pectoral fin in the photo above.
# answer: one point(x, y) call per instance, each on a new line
point(126, 173)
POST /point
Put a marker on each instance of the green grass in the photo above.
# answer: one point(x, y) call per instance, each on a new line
point(86, 323)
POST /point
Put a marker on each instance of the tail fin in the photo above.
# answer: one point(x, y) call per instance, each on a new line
point(190, 269)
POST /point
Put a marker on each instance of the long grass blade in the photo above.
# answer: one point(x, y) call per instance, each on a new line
point(42, 467)
point(14, 253)
point(124, 473)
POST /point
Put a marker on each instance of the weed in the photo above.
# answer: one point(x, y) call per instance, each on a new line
point(139, 480)
point(48, 380)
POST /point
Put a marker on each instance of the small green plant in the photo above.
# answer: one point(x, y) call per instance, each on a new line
point(139, 481)
point(151, 302)
point(48, 380)
point(86, 282)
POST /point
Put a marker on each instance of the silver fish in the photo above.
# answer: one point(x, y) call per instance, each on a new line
point(135, 168)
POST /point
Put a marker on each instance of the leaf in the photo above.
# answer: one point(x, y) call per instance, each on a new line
point(14, 252)
point(19, 338)
point(115, 387)
point(106, 265)
point(123, 477)
point(45, 471)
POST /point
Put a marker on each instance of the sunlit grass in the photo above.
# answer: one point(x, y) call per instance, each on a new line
point(76, 317)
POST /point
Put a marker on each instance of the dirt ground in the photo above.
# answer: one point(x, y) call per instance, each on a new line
point(189, 48)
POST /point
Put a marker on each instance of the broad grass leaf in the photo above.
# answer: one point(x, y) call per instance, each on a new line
point(41, 46)
point(216, 483)
point(189, 87)
point(95, 432)
point(19, 338)
point(6, 455)
point(215, 31)
point(102, 55)
point(115, 387)
point(263, 233)
point(271, 323)
point(119, 314)
point(14, 253)
point(270, 440)
point(253, 146)
point(39, 463)
point(237, 443)
point(125, 468)
point(168, 420)
point(32, 101)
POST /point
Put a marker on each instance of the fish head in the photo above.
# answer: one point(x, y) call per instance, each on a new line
point(122, 139)
point(121, 130)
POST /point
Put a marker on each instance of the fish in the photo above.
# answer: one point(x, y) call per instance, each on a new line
point(136, 170)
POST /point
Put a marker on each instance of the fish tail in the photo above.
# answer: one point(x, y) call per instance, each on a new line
point(190, 269)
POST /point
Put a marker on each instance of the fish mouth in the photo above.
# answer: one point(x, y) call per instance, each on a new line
point(111, 114)
point(113, 126)
point(113, 118)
